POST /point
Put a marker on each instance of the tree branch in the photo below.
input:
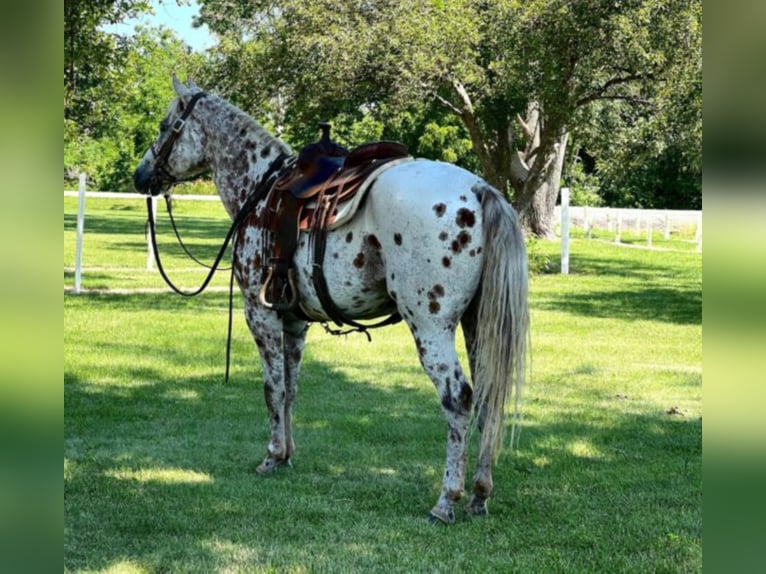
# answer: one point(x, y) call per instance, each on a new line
point(449, 105)
point(599, 94)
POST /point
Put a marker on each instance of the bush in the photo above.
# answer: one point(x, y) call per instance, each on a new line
point(584, 187)
point(539, 261)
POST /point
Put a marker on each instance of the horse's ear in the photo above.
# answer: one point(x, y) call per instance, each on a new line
point(183, 92)
point(193, 86)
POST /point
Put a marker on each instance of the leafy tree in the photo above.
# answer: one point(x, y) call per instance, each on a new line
point(115, 89)
point(91, 56)
point(517, 75)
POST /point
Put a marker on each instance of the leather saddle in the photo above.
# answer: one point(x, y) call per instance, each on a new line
point(307, 198)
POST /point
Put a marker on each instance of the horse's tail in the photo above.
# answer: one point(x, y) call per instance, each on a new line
point(502, 331)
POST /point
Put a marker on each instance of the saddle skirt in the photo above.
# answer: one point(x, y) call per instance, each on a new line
point(346, 204)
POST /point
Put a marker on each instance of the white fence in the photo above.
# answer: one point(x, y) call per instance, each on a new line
point(613, 220)
point(640, 221)
point(618, 220)
point(81, 194)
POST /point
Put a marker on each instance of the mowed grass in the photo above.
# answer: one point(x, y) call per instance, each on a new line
point(160, 455)
point(114, 254)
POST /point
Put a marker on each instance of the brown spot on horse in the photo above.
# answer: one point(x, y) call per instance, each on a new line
point(374, 243)
point(440, 209)
point(465, 217)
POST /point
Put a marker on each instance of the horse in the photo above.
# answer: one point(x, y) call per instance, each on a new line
point(431, 241)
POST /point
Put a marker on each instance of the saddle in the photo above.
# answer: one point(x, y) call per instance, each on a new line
point(307, 198)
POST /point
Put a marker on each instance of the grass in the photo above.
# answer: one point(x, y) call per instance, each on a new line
point(114, 244)
point(159, 455)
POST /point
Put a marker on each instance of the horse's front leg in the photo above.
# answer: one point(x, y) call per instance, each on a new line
point(266, 328)
point(294, 340)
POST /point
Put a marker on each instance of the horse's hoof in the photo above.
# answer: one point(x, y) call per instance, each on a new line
point(270, 465)
point(440, 516)
point(477, 507)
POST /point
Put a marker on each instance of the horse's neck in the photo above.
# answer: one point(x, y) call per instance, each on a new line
point(240, 152)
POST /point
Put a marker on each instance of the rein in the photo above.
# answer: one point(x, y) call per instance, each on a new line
point(261, 190)
point(169, 207)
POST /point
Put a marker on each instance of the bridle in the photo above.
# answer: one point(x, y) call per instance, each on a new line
point(161, 174)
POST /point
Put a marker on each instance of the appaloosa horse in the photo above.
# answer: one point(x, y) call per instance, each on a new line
point(431, 240)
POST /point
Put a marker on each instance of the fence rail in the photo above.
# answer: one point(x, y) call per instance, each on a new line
point(614, 221)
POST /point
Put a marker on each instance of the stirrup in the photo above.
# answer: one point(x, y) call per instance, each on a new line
point(278, 305)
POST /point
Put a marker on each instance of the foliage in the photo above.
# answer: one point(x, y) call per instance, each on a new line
point(494, 87)
point(92, 58)
point(584, 187)
point(116, 90)
point(648, 150)
point(517, 76)
point(539, 259)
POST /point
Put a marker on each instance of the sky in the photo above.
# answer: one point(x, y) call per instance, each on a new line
point(175, 17)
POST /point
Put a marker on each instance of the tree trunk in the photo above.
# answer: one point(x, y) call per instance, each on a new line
point(534, 173)
point(541, 190)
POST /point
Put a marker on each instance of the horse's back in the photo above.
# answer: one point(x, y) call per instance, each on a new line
point(415, 184)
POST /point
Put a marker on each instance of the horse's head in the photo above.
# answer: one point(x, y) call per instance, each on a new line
point(178, 152)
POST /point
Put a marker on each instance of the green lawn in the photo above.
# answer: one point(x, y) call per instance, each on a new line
point(160, 455)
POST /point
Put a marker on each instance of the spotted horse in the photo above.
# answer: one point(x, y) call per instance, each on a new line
point(431, 241)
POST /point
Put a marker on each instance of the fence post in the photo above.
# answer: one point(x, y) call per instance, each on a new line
point(667, 224)
point(698, 235)
point(565, 231)
point(649, 228)
point(80, 232)
point(585, 218)
point(149, 246)
point(618, 236)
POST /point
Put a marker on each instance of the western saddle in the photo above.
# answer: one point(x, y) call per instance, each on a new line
point(306, 198)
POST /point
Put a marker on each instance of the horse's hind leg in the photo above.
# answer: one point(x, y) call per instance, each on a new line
point(436, 349)
point(482, 478)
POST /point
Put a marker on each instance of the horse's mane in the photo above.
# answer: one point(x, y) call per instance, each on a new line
point(251, 123)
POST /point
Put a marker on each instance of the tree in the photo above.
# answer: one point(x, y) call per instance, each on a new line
point(517, 75)
point(91, 55)
point(115, 89)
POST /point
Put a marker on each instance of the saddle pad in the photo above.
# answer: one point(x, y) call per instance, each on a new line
point(348, 208)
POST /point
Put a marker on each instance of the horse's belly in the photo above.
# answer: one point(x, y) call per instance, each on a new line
point(354, 271)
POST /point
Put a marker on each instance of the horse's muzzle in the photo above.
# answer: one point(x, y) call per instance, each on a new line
point(146, 181)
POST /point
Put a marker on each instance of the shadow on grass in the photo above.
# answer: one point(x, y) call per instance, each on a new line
point(161, 474)
point(198, 227)
point(159, 470)
point(679, 305)
point(201, 235)
point(632, 289)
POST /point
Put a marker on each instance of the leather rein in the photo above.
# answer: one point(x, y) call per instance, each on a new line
point(160, 165)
